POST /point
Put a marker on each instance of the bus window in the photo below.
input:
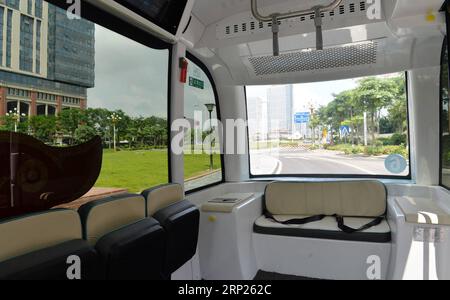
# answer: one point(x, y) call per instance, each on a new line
point(355, 127)
point(87, 81)
point(444, 117)
point(202, 159)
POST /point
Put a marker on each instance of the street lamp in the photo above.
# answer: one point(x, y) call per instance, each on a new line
point(210, 107)
point(115, 118)
point(15, 116)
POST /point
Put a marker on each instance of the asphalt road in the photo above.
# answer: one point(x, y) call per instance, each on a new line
point(298, 161)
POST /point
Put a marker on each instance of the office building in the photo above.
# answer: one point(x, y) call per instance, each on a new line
point(47, 60)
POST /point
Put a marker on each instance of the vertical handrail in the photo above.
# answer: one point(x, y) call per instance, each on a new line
point(276, 17)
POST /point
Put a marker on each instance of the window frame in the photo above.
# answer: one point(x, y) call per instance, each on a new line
point(336, 176)
point(446, 44)
point(102, 18)
point(204, 68)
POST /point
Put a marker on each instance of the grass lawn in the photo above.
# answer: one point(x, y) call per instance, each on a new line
point(139, 170)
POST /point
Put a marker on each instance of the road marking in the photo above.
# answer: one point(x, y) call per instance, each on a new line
point(279, 168)
point(298, 157)
point(334, 160)
point(346, 164)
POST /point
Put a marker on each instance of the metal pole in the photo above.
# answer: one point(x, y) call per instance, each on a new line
point(365, 129)
point(275, 31)
point(211, 159)
point(114, 126)
point(318, 24)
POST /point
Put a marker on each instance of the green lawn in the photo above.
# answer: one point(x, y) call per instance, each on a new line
point(139, 170)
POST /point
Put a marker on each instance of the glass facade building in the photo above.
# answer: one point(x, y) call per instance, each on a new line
point(72, 48)
point(13, 3)
point(9, 38)
point(26, 43)
point(45, 56)
point(2, 16)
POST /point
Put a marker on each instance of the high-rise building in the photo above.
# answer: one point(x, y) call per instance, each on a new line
point(280, 109)
point(47, 60)
point(257, 118)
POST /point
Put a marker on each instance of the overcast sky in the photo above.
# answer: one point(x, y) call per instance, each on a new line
point(129, 76)
point(133, 78)
point(318, 93)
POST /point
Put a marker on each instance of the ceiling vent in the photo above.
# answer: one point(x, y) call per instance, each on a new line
point(330, 58)
point(236, 27)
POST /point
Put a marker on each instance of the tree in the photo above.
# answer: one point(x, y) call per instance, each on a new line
point(84, 134)
point(314, 123)
point(97, 118)
point(373, 95)
point(398, 107)
point(44, 128)
point(69, 120)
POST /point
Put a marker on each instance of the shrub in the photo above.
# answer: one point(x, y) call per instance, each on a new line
point(398, 139)
point(384, 141)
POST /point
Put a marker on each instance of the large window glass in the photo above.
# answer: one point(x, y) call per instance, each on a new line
point(202, 159)
point(445, 120)
point(87, 81)
point(354, 127)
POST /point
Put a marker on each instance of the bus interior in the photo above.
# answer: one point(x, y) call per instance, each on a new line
point(224, 139)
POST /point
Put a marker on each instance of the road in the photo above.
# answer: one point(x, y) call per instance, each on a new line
point(208, 179)
point(298, 161)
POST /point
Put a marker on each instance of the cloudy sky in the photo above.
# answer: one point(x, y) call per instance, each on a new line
point(318, 93)
point(129, 76)
point(133, 78)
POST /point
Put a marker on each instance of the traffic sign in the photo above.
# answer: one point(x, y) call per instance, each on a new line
point(303, 117)
point(196, 83)
point(345, 130)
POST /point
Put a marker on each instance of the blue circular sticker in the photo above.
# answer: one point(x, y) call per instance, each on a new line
point(396, 164)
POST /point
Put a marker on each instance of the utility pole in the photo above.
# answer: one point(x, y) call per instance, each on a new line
point(114, 118)
point(15, 116)
point(210, 107)
point(365, 129)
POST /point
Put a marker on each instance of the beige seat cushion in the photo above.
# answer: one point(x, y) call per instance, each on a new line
point(162, 197)
point(38, 231)
point(350, 198)
point(328, 223)
point(326, 228)
point(104, 216)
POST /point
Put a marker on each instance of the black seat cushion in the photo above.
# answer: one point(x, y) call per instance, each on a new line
point(181, 224)
point(325, 229)
point(51, 263)
point(133, 252)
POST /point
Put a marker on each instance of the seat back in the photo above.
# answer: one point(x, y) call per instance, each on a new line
point(37, 246)
point(106, 215)
point(38, 231)
point(180, 220)
point(130, 245)
point(348, 199)
point(162, 196)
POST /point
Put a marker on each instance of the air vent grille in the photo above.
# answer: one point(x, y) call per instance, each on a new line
point(331, 58)
point(232, 30)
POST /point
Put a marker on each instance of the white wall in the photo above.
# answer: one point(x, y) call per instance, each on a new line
point(424, 94)
point(233, 106)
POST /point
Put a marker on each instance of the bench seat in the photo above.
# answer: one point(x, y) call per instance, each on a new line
point(330, 248)
point(324, 229)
